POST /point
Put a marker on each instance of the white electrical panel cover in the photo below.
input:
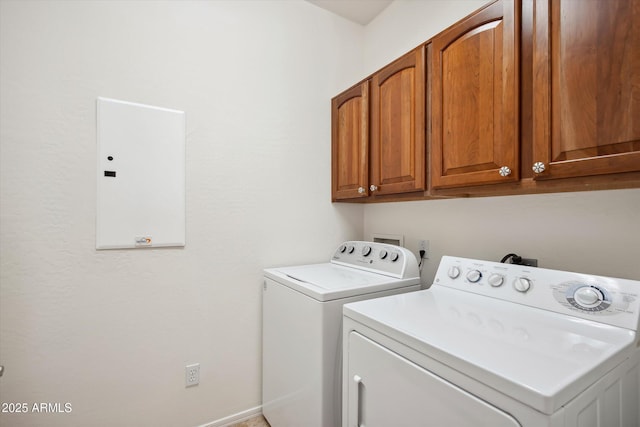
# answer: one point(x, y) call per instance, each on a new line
point(141, 176)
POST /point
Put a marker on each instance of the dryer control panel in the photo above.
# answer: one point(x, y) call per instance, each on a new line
point(381, 258)
point(603, 299)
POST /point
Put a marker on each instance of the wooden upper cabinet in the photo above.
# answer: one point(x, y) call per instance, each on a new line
point(586, 90)
point(474, 99)
point(378, 142)
point(350, 143)
point(398, 126)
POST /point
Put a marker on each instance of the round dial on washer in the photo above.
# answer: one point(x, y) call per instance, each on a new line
point(588, 296)
point(342, 248)
point(394, 256)
point(350, 249)
point(454, 272)
point(366, 250)
point(383, 254)
point(496, 280)
point(522, 284)
point(474, 276)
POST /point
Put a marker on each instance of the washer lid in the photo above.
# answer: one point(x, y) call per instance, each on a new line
point(328, 281)
point(541, 358)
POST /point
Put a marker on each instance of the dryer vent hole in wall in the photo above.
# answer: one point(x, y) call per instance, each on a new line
point(192, 375)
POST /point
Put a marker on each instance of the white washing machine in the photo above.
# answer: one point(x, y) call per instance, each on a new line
point(302, 327)
point(495, 345)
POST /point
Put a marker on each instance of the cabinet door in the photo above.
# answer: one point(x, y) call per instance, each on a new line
point(475, 99)
point(349, 143)
point(398, 126)
point(385, 389)
point(586, 107)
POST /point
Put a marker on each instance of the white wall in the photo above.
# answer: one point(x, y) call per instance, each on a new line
point(110, 332)
point(594, 232)
point(405, 24)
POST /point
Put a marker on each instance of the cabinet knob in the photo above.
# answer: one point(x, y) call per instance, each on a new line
point(361, 190)
point(539, 167)
point(505, 171)
point(373, 187)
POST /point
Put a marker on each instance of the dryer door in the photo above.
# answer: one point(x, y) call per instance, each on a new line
point(385, 389)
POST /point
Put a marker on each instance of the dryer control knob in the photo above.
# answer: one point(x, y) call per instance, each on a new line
point(454, 272)
point(474, 276)
point(350, 249)
point(522, 284)
point(588, 296)
point(366, 250)
point(394, 256)
point(496, 280)
point(342, 249)
point(383, 254)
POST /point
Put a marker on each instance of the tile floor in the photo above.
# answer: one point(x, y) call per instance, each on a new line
point(258, 421)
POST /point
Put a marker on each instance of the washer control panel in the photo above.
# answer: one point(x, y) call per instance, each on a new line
point(378, 258)
point(603, 299)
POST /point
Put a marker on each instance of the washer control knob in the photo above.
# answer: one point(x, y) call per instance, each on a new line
point(383, 254)
point(342, 248)
point(474, 276)
point(350, 249)
point(394, 256)
point(588, 296)
point(454, 272)
point(522, 284)
point(496, 280)
point(366, 250)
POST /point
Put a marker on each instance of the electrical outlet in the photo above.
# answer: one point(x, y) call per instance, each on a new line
point(192, 375)
point(423, 245)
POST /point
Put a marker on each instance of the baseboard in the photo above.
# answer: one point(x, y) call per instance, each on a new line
point(235, 418)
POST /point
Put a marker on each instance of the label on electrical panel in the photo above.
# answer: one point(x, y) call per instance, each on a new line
point(142, 241)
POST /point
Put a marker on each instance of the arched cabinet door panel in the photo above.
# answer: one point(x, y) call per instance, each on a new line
point(350, 143)
point(474, 99)
point(398, 126)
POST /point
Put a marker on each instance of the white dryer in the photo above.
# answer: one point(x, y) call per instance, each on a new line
point(496, 345)
point(302, 325)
